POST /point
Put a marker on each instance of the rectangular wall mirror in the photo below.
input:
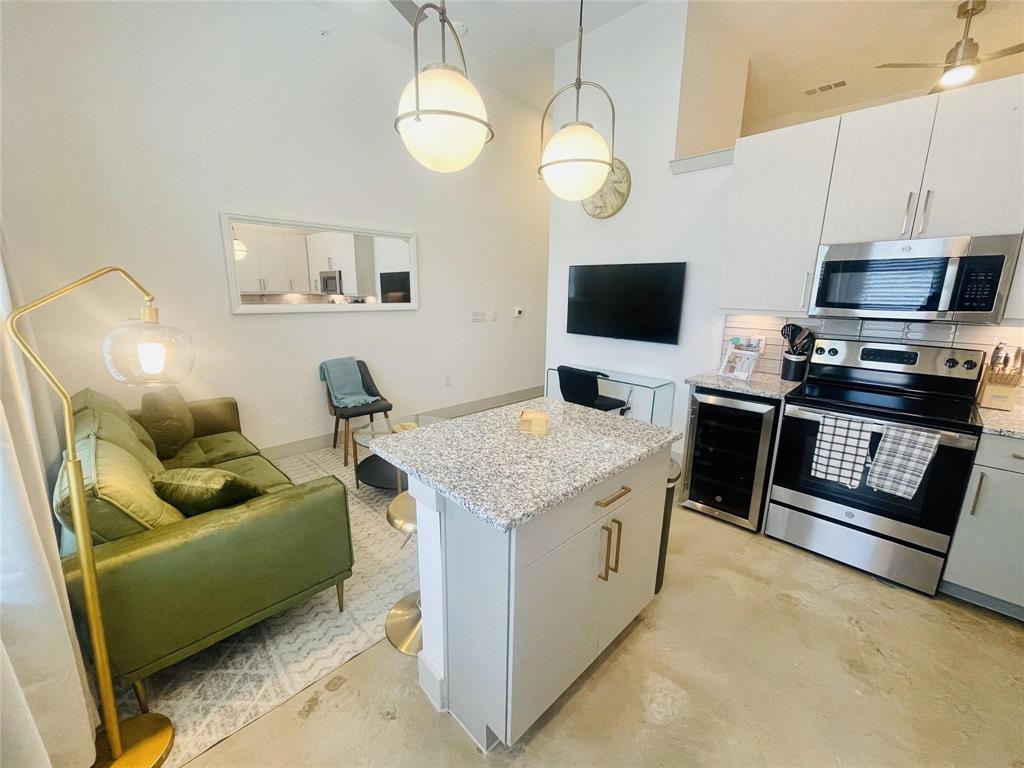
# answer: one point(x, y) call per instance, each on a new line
point(275, 265)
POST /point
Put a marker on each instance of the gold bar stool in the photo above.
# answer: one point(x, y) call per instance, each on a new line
point(402, 625)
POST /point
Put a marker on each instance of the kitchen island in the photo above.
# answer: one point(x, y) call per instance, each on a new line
point(535, 552)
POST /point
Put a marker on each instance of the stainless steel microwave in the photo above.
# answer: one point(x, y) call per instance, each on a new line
point(965, 279)
point(330, 282)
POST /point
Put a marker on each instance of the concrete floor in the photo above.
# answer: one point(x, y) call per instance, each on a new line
point(754, 654)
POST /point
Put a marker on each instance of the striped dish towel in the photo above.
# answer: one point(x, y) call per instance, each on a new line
point(901, 460)
point(840, 450)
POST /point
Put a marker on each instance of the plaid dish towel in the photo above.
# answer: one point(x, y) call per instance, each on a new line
point(901, 460)
point(840, 451)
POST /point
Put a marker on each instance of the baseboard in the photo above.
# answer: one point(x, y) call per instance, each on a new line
point(985, 601)
point(326, 440)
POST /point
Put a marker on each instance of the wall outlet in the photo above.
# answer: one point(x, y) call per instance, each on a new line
point(517, 311)
point(479, 317)
point(494, 315)
point(448, 380)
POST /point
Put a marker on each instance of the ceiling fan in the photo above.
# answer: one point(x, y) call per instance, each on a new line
point(962, 59)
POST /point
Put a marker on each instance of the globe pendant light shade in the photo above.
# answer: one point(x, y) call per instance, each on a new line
point(451, 128)
point(148, 353)
point(441, 117)
point(575, 162)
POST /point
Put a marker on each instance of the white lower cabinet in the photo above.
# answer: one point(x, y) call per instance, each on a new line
point(573, 602)
point(987, 555)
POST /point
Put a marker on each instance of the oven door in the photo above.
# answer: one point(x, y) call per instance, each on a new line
point(911, 280)
point(927, 520)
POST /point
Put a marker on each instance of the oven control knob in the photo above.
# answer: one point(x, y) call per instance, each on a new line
point(952, 362)
point(970, 365)
point(832, 352)
point(819, 350)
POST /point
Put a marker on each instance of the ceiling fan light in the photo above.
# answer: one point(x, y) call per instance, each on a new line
point(957, 75)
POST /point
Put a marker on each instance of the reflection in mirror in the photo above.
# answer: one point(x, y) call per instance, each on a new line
point(287, 266)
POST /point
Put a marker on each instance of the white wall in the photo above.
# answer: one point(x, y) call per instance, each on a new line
point(127, 127)
point(638, 57)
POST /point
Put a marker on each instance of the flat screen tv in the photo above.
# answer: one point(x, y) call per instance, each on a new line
point(641, 302)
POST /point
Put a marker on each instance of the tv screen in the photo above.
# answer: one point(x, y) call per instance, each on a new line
point(641, 302)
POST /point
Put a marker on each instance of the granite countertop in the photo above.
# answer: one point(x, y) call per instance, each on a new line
point(761, 384)
point(1005, 423)
point(485, 464)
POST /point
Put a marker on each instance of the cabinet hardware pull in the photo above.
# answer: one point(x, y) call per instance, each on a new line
point(1018, 456)
point(924, 210)
point(803, 290)
point(618, 545)
point(623, 490)
point(607, 555)
point(977, 493)
point(291, 287)
point(906, 213)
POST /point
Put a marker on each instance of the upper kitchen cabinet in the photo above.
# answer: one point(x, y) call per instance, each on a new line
point(973, 183)
point(779, 187)
point(876, 179)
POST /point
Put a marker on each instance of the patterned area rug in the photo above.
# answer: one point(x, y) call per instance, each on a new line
point(214, 693)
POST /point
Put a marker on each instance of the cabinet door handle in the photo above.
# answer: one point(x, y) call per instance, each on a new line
point(924, 210)
point(977, 493)
point(607, 555)
point(618, 545)
point(906, 213)
point(803, 290)
point(623, 490)
point(291, 287)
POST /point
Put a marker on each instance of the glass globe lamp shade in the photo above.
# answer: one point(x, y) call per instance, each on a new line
point(148, 353)
point(957, 75)
point(443, 142)
point(589, 166)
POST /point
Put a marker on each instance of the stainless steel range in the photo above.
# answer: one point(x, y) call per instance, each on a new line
point(875, 385)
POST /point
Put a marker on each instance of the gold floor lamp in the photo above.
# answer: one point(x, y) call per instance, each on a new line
point(141, 353)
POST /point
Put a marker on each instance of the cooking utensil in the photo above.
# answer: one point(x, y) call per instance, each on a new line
point(789, 332)
point(800, 339)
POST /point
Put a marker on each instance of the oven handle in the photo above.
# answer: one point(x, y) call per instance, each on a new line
point(948, 439)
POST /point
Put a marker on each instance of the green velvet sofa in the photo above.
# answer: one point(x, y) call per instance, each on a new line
point(172, 585)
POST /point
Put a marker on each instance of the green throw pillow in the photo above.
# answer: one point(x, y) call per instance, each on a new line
point(166, 417)
point(199, 489)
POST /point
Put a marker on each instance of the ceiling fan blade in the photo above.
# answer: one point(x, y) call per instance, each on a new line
point(915, 65)
point(407, 8)
point(1018, 48)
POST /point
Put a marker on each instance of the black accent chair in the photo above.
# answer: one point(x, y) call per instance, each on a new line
point(580, 386)
point(344, 414)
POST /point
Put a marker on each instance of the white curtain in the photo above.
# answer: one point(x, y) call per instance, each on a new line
point(48, 717)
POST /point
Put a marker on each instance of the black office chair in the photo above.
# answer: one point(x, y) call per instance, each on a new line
point(580, 386)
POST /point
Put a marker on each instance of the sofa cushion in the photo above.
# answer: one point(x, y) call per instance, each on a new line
point(197, 490)
point(107, 425)
point(144, 437)
point(90, 398)
point(166, 417)
point(191, 455)
point(118, 492)
point(225, 446)
point(260, 471)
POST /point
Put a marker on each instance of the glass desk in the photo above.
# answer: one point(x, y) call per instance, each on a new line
point(650, 399)
point(373, 470)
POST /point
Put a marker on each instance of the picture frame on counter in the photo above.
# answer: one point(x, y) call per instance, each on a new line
point(738, 364)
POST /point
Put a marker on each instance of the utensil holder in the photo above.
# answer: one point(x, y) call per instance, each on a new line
point(794, 367)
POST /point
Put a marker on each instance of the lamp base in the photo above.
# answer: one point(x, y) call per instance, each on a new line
point(147, 741)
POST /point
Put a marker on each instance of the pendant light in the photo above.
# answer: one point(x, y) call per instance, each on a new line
point(441, 117)
point(576, 160)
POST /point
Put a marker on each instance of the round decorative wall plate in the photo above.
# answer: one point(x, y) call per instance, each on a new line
point(610, 198)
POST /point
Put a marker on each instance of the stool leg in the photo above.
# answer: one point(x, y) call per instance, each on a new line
point(337, 420)
point(346, 438)
point(341, 596)
point(140, 694)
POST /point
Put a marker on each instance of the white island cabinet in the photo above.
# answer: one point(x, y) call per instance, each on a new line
point(535, 552)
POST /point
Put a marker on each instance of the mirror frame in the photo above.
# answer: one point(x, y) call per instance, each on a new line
point(238, 308)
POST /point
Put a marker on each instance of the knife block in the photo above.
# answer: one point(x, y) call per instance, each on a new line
point(999, 390)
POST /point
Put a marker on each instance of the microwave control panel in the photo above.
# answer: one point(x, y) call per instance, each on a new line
point(978, 283)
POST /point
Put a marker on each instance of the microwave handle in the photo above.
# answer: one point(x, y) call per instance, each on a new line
point(947, 300)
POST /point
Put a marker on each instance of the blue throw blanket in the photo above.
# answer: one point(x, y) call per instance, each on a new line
point(344, 382)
